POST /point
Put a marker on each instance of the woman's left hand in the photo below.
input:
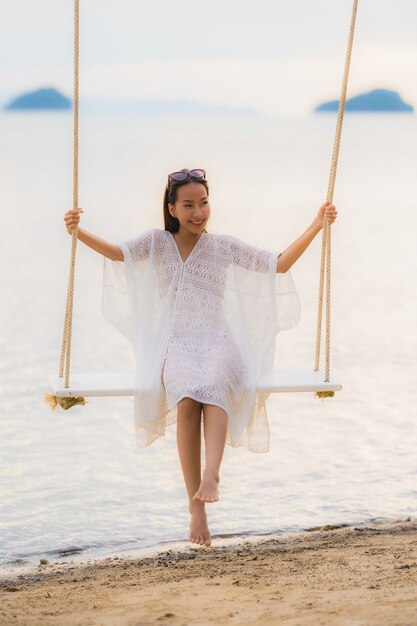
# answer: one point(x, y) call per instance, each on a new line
point(326, 211)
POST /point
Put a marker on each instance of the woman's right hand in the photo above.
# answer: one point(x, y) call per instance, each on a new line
point(72, 217)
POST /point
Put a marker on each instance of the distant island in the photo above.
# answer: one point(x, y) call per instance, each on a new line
point(51, 99)
point(376, 100)
point(47, 98)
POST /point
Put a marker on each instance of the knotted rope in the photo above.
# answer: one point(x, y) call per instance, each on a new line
point(325, 263)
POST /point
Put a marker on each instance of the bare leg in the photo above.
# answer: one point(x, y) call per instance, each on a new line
point(215, 430)
point(189, 450)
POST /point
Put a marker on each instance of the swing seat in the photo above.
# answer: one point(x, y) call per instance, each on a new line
point(122, 383)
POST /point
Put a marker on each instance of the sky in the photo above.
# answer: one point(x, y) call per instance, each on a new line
point(271, 55)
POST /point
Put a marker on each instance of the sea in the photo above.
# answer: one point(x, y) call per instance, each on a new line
point(73, 484)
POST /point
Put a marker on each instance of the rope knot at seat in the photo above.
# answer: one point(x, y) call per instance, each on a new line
point(64, 403)
point(323, 394)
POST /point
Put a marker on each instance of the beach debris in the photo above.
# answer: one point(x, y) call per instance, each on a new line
point(327, 527)
point(17, 562)
point(43, 562)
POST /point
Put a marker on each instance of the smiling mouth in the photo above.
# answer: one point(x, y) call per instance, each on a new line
point(197, 223)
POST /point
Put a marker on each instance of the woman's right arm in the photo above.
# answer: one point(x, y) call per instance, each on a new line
point(109, 250)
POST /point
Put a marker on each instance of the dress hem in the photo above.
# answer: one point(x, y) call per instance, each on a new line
point(197, 399)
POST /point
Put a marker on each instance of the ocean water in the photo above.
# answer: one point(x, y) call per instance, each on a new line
point(73, 483)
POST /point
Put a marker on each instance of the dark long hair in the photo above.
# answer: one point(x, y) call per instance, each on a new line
point(170, 197)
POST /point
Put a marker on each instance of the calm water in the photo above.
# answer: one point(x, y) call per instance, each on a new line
point(74, 482)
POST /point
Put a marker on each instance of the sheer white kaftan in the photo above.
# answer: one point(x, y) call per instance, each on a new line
point(213, 320)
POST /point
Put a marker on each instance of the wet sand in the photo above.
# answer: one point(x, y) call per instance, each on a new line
point(342, 576)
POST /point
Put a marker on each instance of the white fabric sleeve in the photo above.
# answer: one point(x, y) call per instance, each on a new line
point(248, 256)
point(119, 287)
point(137, 247)
point(281, 290)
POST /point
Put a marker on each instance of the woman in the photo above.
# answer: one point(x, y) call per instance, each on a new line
point(202, 311)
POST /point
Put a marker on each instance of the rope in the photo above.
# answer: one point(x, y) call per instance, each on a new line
point(65, 360)
point(325, 262)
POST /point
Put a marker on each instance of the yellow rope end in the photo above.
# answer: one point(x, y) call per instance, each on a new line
point(323, 394)
point(51, 400)
point(65, 403)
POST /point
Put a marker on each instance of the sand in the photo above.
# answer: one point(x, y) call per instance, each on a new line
point(344, 576)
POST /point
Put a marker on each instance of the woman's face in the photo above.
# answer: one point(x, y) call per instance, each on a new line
point(192, 207)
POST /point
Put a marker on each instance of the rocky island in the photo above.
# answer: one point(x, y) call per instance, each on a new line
point(376, 100)
point(46, 98)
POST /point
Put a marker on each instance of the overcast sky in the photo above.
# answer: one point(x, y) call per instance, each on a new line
point(272, 55)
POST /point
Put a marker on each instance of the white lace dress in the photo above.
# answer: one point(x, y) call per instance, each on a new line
point(208, 324)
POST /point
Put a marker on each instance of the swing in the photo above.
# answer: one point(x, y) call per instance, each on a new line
point(67, 394)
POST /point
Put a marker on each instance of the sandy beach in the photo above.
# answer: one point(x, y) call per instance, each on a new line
point(344, 576)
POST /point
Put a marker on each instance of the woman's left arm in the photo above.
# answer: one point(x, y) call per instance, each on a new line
point(288, 257)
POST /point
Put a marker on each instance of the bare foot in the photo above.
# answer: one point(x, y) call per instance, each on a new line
point(208, 490)
point(199, 530)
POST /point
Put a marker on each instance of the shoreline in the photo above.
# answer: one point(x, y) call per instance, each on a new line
point(13, 570)
point(319, 576)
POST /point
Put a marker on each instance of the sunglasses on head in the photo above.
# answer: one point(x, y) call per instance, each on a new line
point(179, 176)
